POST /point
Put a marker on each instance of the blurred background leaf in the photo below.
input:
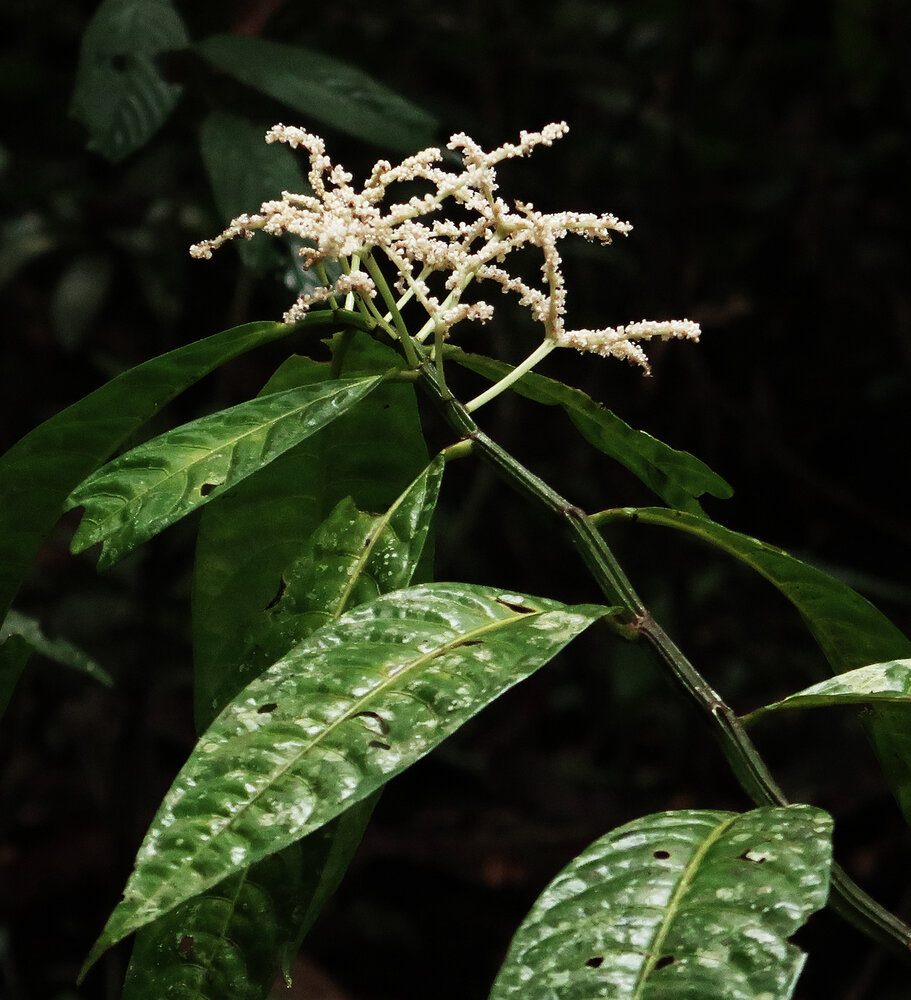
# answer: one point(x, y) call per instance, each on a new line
point(120, 96)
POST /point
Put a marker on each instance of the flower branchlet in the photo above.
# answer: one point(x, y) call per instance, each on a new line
point(338, 222)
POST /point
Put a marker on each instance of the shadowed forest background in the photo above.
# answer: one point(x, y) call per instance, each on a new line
point(761, 151)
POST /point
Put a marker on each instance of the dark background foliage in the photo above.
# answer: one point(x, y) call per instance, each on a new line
point(761, 150)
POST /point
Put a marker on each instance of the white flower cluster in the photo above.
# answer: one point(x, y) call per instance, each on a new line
point(340, 223)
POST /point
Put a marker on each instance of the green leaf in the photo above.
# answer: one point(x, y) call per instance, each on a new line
point(38, 472)
point(849, 629)
point(232, 941)
point(249, 538)
point(322, 89)
point(120, 96)
point(350, 559)
point(58, 650)
point(368, 454)
point(678, 477)
point(694, 905)
point(244, 172)
point(336, 718)
point(149, 488)
point(252, 922)
point(878, 682)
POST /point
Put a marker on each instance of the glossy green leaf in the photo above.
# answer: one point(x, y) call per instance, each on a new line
point(876, 683)
point(232, 941)
point(149, 488)
point(849, 629)
point(120, 95)
point(322, 89)
point(694, 905)
point(59, 650)
point(38, 472)
point(253, 922)
point(350, 559)
point(248, 541)
point(678, 477)
point(370, 454)
point(244, 172)
point(336, 718)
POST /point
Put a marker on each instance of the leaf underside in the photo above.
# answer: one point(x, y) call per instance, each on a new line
point(690, 905)
point(678, 477)
point(336, 718)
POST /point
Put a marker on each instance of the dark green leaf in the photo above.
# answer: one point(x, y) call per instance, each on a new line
point(676, 476)
point(850, 630)
point(694, 905)
point(322, 89)
point(336, 718)
point(149, 488)
point(244, 172)
point(38, 472)
point(350, 559)
point(120, 95)
point(369, 454)
point(58, 650)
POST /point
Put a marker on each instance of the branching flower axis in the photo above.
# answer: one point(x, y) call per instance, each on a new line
point(358, 228)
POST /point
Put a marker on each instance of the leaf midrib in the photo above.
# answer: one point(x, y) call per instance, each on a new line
point(352, 711)
point(671, 910)
point(137, 499)
point(381, 524)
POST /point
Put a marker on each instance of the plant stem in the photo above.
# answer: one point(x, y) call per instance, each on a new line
point(847, 898)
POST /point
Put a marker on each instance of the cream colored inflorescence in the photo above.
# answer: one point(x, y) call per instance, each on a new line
point(340, 223)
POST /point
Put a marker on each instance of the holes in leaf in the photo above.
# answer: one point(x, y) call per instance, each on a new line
point(270, 706)
point(469, 642)
point(520, 609)
point(381, 724)
point(207, 488)
point(664, 962)
point(378, 744)
point(662, 855)
point(119, 62)
point(185, 946)
point(595, 961)
point(753, 856)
